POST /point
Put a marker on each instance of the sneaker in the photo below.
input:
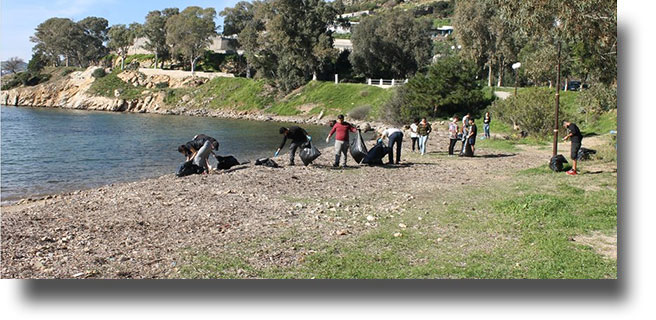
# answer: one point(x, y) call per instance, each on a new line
point(571, 173)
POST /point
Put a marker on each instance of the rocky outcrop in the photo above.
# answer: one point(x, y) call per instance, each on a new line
point(72, 93)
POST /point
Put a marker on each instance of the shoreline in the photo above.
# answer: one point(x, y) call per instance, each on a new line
point(200, 112)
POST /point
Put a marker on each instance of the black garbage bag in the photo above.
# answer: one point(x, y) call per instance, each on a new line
point(266, 162)
point(188, 168)
point(468, 150)
point(309, 153)
point(358, 149)
point(556, 163)
point(585, 153)
point(226, 162)
point(375, 155)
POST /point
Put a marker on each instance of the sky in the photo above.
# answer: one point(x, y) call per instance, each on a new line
point(19, 18)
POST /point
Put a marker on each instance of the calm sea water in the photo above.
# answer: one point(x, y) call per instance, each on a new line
point(47, 151)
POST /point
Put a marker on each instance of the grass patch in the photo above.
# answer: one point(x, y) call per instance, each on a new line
point(521, 229)
point(224, 93)
point(107, 86)
point(333, 98)
point(496, 144)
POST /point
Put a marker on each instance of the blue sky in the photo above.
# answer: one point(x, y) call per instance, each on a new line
point(18, 18)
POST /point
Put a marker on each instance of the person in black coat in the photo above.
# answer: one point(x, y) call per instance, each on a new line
point(298, 136)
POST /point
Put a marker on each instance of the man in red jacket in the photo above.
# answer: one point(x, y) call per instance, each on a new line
point(341, 130)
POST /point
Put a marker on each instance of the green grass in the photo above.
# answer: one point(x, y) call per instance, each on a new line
point(516, 229)
point(441, 22)
point(496, 144)
point(107, 85)
point(139, 57)
point(225, 93)
point(332, 98)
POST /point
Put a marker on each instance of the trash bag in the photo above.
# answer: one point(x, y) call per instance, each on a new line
point(468, 150)
point(188, 168)
point(309, 153)
point(375, 155)
point(226, 162)
point(556, 163)
point(266, 162)
point(584, 153)
point(358, 149)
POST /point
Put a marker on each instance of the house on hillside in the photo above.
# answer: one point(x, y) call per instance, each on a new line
point(220, 44)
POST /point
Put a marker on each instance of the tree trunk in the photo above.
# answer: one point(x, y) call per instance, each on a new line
point(500, 80)
point(193, 65)
point(566, 82)
point(67, 60)
point(155, 60)
point(489, 74)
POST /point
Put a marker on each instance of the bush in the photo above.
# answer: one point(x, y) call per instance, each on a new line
point(449, 86)
point(162, 85)
point(25, 78)
point(360, 113)
point(391, 111)
point(99, 73)
point(532, 110)
point(66, 71)
point(596, 100)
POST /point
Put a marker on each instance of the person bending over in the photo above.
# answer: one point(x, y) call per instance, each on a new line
point(574, 135)
point(395, 136)
point(298, 136)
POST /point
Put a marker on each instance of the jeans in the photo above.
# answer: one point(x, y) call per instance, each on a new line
point(395, 138)
point(201, 156)
point(341, 147)
point(292, 150)
point(452, 144)
point(486, 129)
point(422, 144)
point(415, 140)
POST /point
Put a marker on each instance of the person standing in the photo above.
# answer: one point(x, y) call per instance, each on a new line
point(394, 137)
point(465, 133)
point(423, 130)
point(298, 136)
point(575, 136)
point(341, 130)
point(413, 134)
point(486, 125)
point(471, 137)
point(453, 134)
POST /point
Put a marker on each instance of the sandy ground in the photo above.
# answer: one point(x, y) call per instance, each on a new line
point(142, 229)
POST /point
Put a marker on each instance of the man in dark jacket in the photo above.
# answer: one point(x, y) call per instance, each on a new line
point(574, 135)
point(298, 136)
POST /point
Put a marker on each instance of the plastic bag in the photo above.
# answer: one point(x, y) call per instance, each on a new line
point(376, 154)
point(226, 162)
point(358, 149)
point(188, 168)
point(556, 163)
point(266, 162)
point(585, 153)
point(309, 153)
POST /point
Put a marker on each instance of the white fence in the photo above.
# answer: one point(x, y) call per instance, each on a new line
point(385, 83)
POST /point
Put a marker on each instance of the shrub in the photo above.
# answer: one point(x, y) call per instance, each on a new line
point(66, 71)
point(596, 100)
point(162, 85)
point(449, 86)
point(360, 113)
point(391, 111)
point(99, 73)
point(532, 110)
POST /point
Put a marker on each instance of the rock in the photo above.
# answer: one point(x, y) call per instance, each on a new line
point(342, 232)
point(398, 234)
point(370, 218)
point(117, 93)
point(402, 226)
point(186, 98)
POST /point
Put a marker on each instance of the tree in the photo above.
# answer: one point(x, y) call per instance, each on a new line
point(89, 43)
point(288, 40)
point(56, 38)
point(13, 65)
point(236, 18)
point(120, 40)
point(392, 45)
point(450, 85)
point(37, 62)
point(190, 32)
point(154, 29)
point(589, 27)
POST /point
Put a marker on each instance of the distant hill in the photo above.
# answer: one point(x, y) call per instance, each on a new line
point(22, 66)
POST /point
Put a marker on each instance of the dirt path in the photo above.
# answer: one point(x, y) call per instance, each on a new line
point(142, 229)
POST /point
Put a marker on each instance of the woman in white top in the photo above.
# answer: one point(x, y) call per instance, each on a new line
point(414, 135)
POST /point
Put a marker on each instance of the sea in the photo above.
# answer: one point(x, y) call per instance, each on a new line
point(49, 151)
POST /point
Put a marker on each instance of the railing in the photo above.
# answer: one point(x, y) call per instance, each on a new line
point(385, 82)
